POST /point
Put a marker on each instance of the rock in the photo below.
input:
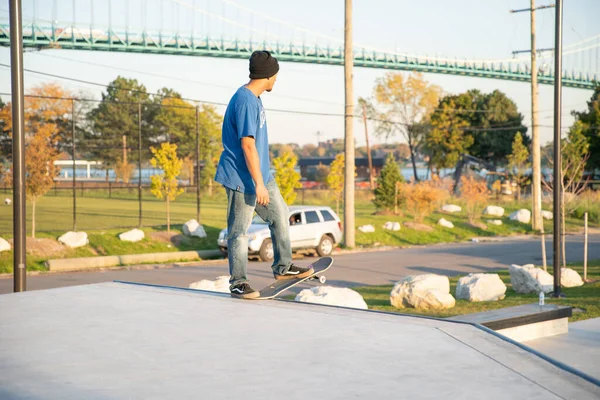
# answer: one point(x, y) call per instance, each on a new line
point(426, 292)
point(134, 235)
point(523, 216)
point(496, 222)
point(392, 226)
point(528, 279)
point(451, 208)
point(570, 278)
point(495, 211)
point(74, 239)
point(4, 245)
point(193, 228)
point(332, 296)
point(221, 284)
point(547, 214)
point(7, 201)
point(366, 228)
point(445, 223)
point(480, 287)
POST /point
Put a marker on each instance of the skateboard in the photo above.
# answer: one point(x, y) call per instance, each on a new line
point(277, 287)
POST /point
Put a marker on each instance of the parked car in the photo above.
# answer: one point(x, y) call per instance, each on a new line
point(311, 227)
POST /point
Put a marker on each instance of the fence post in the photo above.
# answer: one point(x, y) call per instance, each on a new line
point(198, 164)
point(74, 166)
point(140, 164)
point(585, 245)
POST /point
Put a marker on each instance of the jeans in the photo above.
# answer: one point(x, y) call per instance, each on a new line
point(240, 210)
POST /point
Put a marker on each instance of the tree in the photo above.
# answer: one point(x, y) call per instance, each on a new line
point(406, 103)
point(385, 192)
point(115, 116)
point(517, 162)
point(590, 128)
point(335, 179)
point(475, 194)
point(446, 141)
point(322, 173)
point(287, 178)
point(166, 185)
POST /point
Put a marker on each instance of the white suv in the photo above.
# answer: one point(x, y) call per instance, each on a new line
point(311, 227)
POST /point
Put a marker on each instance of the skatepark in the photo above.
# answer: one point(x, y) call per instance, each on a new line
point(122, 340)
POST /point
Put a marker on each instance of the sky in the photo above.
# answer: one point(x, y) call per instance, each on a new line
point(463, 29)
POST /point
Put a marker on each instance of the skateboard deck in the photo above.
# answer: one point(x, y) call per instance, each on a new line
point(277, 287)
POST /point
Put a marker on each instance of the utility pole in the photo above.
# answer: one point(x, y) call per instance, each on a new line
point(349, 135)
point(18, 145)
point(557, 179)
point(536, 186)
point(371, 175)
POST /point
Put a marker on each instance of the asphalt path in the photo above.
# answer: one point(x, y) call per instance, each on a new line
point(349, 269)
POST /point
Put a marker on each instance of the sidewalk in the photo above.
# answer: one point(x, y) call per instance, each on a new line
point(580, 348)
point(116, 340)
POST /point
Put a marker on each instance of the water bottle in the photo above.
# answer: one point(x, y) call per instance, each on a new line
point(541, 298)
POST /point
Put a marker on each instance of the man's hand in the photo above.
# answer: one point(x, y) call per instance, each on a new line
point(262, 195)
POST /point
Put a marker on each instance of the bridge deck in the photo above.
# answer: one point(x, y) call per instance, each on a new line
point(114, 340)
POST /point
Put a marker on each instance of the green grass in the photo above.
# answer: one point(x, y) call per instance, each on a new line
point(103, 218)
point(585, 299)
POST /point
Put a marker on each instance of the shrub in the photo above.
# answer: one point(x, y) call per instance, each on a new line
point(475, 194)
point(422, 198)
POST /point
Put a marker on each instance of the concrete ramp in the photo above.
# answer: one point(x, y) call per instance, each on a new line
point(123, 341)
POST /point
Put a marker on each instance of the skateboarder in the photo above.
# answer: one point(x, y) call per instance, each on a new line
point(244, 171)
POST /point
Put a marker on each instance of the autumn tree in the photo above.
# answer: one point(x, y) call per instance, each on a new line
point(321, 173)
point(335, 179)
point(517, 162)
point(165, 186)
point(287, 178)
point(388, 179)
point(422, 198)
point(475, 194)
point(403, 105)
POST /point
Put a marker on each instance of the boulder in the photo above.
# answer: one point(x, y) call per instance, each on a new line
point(480, 287)
point(332, 296)
point(495, 211)
point(445, 223)
point(74, 239)
point(221, 284)
point(523, 216)
point(528, 279)
point(134, 235)
point(570, 278)
point(4, 245)
point(496, 222)
point(547, 214)
point(392, 226)
point(366, 228)
point(426, 292)
point(451, 208)
point(193, 228)
point(7, 201)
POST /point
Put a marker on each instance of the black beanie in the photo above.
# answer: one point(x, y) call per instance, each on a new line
point(263, 65)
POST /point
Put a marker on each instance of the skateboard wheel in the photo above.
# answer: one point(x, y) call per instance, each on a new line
point(322, 279)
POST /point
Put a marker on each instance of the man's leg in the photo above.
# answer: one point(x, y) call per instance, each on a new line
point(240, 208)
point(276, 213)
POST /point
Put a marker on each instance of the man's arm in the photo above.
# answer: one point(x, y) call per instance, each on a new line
point(253, 162)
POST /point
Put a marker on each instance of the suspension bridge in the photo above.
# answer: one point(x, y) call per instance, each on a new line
point(80, 26)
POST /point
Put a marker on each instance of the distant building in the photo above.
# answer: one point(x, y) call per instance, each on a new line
point(308, 166)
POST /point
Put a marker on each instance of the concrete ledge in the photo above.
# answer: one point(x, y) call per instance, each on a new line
point(86, 263)
point(522, 323)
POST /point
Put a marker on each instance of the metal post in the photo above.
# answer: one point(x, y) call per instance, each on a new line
point(349, 234)
point(74, 165)
point(140, 164)
point(197, 164)
point(18, 118)
point(557, 237)
point(585, 246)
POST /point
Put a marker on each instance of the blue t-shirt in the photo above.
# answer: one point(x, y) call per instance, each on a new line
point(245, 116)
